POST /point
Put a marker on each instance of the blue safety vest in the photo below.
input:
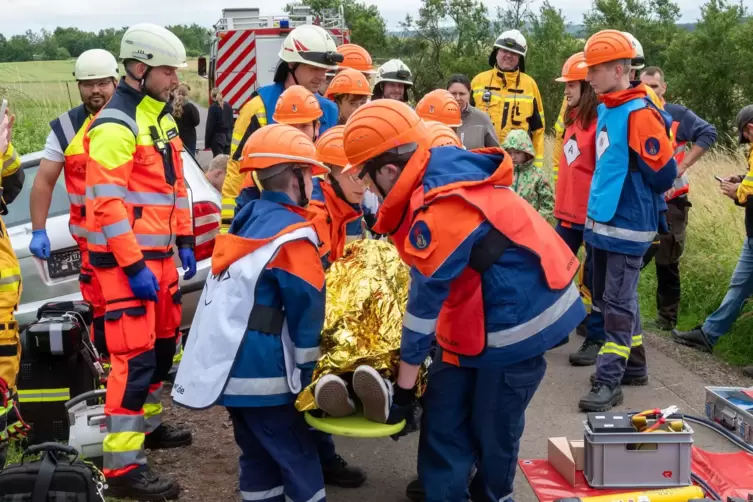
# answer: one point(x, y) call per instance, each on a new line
point(271, 93)
point(623, 210)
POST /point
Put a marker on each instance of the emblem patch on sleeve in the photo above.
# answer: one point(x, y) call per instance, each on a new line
point(420, 235)
point(652, 146)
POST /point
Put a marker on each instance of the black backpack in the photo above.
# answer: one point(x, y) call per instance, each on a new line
point(57, 477)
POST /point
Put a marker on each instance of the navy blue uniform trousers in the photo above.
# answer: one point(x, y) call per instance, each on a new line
point(474, 415)
point(279, 460)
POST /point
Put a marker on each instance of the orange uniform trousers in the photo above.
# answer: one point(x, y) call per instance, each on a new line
point(141, 337)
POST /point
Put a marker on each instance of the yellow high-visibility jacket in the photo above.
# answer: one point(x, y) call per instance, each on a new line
point(559, 131)
point(10, 290)
point(512, 101)
point(252, 116)
point(745, 189)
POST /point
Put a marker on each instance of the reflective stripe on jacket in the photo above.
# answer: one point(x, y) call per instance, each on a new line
point(136, 195)
point(255, 339)
point(523, 303)
point(512, 101)
point(634, 167)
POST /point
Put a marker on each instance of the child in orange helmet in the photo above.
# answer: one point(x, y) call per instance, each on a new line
point(634, 167)
point(349, 90)
point(297, 107)
point(265, 271)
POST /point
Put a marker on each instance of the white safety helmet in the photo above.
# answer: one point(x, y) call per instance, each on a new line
point(153, 45)
point(95, 64)
point(311, 45)
point(511, 41)
point(394, 70)
point(639, 61)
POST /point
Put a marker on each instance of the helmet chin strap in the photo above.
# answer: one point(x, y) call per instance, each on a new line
point(301, 187)
point(337, 188)
point(142, 81)
point(292, 73)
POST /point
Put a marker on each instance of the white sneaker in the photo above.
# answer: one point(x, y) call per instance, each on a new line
point(331, 396)
point(374, 392)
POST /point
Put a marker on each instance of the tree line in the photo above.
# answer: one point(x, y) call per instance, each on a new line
point(65, 43)
point(708, 69)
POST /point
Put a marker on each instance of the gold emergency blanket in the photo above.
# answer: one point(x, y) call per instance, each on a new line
point(367, 291)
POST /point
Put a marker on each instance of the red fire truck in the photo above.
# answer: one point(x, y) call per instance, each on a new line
point(244, 52)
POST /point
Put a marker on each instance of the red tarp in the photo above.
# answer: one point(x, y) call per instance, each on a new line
point(729, 474)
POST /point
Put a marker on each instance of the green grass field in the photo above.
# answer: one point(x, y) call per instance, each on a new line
point(39, 91)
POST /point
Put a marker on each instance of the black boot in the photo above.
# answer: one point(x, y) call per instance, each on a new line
point(630, 381)
point(748, 371)
point(602, 397)
point(167, 436)
point(587, 353)
point(581, 330)
point(337, 473)
point(142, 484)
point(415, 491)
point(694, 338)
point(668, 293)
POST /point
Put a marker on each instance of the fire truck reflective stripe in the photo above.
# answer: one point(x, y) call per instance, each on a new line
point(43, 395)
point(243, 71)
point(229, 46)
point(236, 74)
point(240, 57)
point(248, 88)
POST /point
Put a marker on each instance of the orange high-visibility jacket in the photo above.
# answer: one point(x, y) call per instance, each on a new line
point(136, 202)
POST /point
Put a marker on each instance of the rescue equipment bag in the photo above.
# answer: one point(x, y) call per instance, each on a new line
point(58, 362)
point(57, 477)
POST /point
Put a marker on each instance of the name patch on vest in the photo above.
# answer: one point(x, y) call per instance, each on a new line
point(602, 143)
point(172, 133)
point(572, 151)
point(420, 235)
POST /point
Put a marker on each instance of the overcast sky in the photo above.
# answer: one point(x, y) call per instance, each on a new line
point(17, 16)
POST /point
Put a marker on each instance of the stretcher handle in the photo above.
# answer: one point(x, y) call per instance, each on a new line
point(85, 397)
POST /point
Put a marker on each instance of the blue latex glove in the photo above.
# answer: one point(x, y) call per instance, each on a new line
point(40, 244)
point(144, 285)
point(188, 260)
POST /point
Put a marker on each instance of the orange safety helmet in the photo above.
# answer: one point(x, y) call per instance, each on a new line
point(380, 126)
point(356, 57)
point(348, 81)
point(330, 148)
point(279, 144)
point(606, 46)
point(440, 106)
point(441, 135)
point(574, 69)
point(297, 106)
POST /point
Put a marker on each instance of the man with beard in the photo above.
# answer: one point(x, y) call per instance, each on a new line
point(138, 210)
point(96, 72)
point(307, 53)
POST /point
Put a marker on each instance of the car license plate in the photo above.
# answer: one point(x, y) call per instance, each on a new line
point(64, 263)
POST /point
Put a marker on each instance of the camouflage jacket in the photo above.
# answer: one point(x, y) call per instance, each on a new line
point(532, 184)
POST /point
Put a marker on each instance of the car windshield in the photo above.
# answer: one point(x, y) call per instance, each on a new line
point(18, 211)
